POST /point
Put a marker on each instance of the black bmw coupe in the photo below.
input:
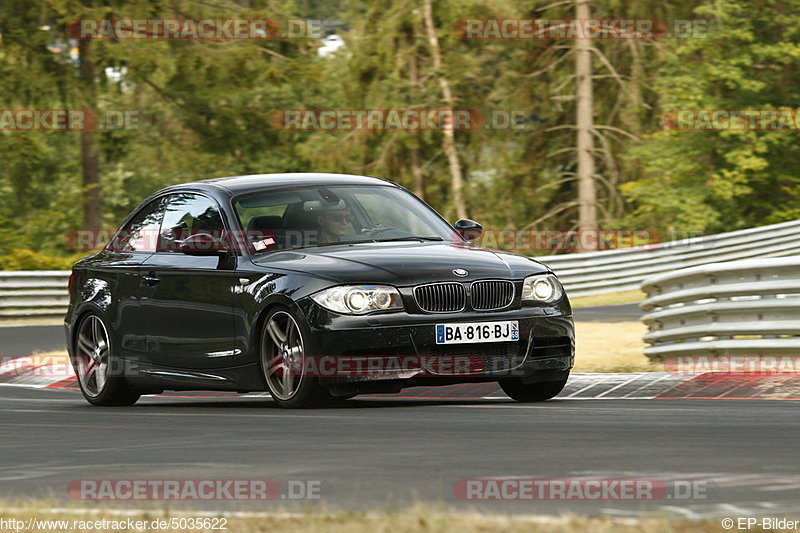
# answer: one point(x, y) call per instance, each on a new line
point(315, 288)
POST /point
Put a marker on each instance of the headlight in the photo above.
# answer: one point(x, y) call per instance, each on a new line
point(542, 288)
point(359, 299)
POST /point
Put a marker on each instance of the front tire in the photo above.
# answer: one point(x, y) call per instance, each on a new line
point(98, 369)
point(283, 363)
point(532, 392)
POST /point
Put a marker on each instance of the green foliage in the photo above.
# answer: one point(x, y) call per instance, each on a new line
point(207, 110)
point(21, 259)
point(724, 180)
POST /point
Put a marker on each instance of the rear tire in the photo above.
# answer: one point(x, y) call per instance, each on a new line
point(532, 392)
point(99, 371)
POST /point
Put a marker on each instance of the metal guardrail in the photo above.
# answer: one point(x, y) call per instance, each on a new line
point(36, 293)
point(749, 307)
point(585, 274)
point(43, 293)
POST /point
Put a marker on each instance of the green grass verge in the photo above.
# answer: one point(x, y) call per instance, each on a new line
point(613, 298)
point(419, 518)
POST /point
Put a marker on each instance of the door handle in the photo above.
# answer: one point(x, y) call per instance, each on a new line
point(151, 279)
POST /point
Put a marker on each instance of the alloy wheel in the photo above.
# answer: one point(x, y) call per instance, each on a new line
point(282, 355)
point(91, 356)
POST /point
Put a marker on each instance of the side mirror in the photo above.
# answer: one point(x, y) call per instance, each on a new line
point(203, 244)
point(469, 229)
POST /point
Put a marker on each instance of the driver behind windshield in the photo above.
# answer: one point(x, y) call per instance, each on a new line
point(334, 222)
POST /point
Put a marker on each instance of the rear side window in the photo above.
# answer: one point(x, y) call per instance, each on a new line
point(141, 231)
point(185, 215)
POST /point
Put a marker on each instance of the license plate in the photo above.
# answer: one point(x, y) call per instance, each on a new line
point(478, 332)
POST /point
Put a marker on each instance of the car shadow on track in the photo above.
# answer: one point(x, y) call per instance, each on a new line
point(266, 403)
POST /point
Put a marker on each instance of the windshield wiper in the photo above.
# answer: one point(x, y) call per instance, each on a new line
point(334, 243)
point(363, 241)
point(318, 245)
point(410, 239)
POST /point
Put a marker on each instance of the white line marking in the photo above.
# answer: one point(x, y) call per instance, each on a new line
point(634, 378)
point(581, 390)
point(26, 385)
point(663, 377)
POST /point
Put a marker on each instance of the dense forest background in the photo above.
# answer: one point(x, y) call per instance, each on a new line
point(207, 109)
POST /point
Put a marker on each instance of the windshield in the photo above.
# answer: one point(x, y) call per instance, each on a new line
point(325, 216)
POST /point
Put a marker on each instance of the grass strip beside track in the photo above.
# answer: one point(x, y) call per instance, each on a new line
point(611, 347)
point(420, 518)
point(612, 298)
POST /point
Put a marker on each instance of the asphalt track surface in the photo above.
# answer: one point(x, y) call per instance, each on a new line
point(738, 455)
point(373, 453)
point(26, 340)
point(608, 313)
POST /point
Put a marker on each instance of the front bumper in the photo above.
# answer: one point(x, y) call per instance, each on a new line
point(402, 346)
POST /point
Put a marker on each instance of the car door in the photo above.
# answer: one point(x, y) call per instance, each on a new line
point(187, 300)
point(116, 275)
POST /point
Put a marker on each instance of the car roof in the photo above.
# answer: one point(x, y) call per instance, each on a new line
point(236, 185)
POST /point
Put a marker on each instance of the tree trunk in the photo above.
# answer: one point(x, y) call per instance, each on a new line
point(92, 215)
point(416, 168)
point(587, 195)
point(448, 139)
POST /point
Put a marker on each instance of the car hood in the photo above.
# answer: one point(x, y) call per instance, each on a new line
point(402, 263)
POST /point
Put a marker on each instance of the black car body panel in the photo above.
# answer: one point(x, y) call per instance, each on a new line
point(181, 322)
